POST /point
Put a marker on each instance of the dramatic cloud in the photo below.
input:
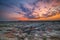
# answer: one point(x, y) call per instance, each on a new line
point(29, 9)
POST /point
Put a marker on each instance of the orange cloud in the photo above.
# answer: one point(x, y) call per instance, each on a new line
point(56, 17)
point(43, 8)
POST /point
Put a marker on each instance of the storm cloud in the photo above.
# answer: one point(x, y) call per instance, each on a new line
point(12, 9)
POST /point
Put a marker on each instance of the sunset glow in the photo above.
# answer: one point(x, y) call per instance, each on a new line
point(26, 10)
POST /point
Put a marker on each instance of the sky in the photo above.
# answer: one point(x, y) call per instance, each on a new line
point(25, 10)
